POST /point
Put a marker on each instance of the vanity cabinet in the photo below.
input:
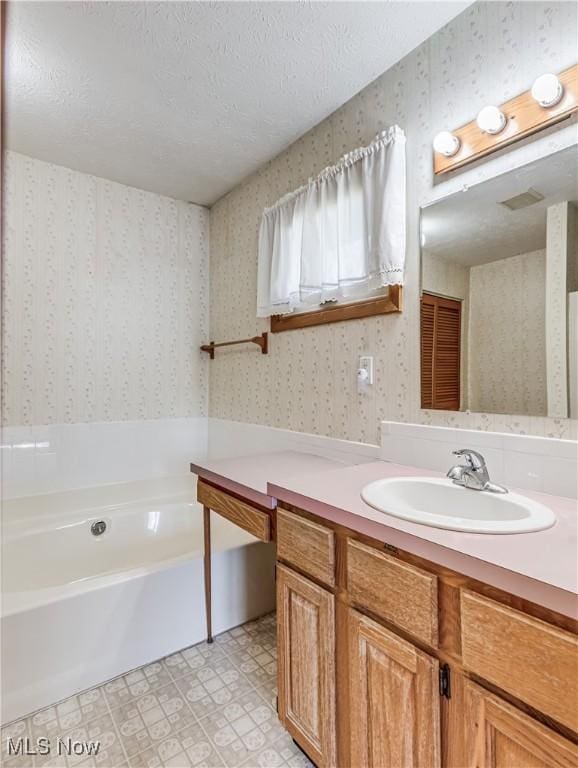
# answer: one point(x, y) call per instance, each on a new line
point(306, 664)
point(393, 698)
point(387, 660)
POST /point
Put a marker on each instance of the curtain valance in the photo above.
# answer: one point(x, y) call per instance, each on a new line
point(340, 235)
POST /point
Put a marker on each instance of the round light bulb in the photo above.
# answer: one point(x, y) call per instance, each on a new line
point(491, 120)
point(547, 90)
point(445, 143)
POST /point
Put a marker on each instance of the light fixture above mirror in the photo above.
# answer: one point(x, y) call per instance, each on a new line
point(491, 120)
point(547, 90)
point(445, 143)
point(551, 99)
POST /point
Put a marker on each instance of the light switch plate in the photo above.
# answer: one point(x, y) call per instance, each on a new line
point(366, 362)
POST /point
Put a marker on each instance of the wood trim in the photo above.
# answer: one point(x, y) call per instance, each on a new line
point(524, 118)
point(249, 518)
point(378, 305)
point(342, 691)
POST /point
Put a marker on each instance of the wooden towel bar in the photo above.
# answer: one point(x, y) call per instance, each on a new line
point(261, 341)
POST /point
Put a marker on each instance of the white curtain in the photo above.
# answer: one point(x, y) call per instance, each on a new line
point(340, 235)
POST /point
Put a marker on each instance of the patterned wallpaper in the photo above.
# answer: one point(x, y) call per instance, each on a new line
point(448, 278)
point(507, 365)
point(561, 278)
point(105, 299)
point(486, 55)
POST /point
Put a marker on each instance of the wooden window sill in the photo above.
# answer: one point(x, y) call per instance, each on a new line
point(386, 304)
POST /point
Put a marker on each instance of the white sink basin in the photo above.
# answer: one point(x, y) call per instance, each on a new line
point(442, 504)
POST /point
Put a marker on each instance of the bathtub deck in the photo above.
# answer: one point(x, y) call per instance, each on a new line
point(206, 705)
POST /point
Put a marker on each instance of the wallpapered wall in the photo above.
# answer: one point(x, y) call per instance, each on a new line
point(488, 54)
point(507, 364)
point(104, 299)
point(561, 275)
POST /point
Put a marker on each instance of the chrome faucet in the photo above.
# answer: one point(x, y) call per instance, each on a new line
point(474, 473)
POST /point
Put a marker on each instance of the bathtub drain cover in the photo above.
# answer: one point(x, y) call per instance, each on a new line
point(98, 528)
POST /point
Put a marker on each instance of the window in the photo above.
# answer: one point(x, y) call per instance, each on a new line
point(340, 238)
point(440, 352)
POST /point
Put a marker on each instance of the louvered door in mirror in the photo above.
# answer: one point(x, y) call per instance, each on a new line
point(440, 352)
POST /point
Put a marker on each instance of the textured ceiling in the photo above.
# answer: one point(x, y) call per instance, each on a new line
point(472, 227)
point(186, 99)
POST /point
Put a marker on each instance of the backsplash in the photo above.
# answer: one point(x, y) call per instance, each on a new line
point(230, 439)
point(487, 55)
point(105, 294)
point(517, 461)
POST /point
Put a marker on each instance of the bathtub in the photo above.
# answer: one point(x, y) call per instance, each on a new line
point(78, 609)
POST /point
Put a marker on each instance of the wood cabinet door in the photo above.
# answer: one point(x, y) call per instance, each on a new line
point(393, 697)
point(306, 664)
point(497, 735)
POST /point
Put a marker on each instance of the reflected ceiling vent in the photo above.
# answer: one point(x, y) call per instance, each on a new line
point(523, 200)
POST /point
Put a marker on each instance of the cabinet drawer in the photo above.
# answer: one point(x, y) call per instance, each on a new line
point(308, 546)
point(401, 593)
point(532, 660)
point(252, 520)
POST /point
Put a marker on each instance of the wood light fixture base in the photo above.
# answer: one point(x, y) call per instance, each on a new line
point(524, 117)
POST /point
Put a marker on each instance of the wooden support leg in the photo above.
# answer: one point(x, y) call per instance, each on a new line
point(207, 559)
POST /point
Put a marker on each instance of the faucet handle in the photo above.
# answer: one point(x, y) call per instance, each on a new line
point(473, 459)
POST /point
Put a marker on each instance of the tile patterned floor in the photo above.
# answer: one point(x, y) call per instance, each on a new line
point(208, 706)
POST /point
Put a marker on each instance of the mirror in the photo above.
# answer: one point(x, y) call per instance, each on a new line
point(499, 293)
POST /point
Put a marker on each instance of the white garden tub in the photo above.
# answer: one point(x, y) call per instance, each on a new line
point(78, 609)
